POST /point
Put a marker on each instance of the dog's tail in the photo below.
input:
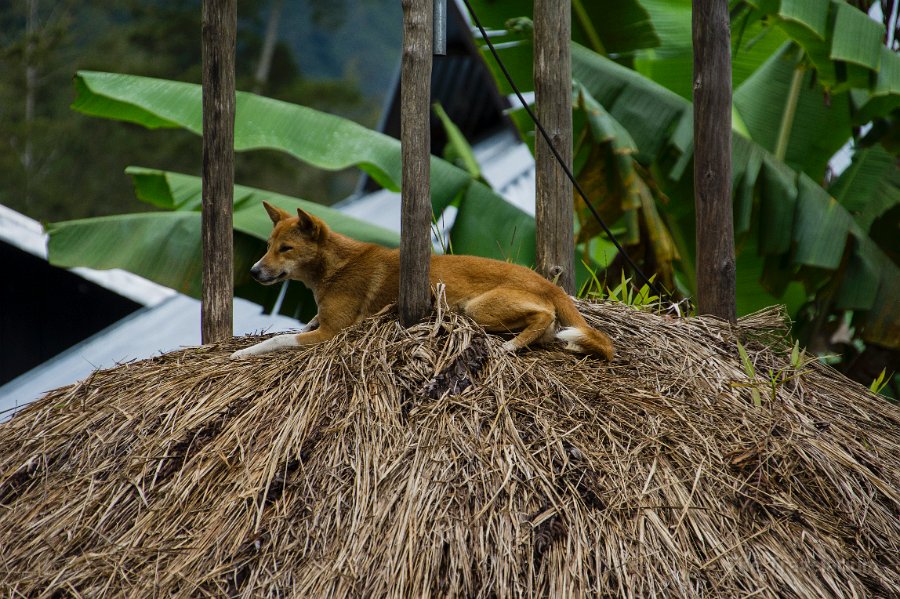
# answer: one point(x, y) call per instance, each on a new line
point(577, 333)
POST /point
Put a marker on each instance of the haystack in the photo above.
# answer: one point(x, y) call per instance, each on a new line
point(427, 462)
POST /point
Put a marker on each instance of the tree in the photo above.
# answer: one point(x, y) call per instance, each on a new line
point(72, 172)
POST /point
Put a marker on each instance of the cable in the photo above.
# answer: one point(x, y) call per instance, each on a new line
point(556, 154)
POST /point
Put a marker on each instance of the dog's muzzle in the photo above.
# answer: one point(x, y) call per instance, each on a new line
point(264, 276)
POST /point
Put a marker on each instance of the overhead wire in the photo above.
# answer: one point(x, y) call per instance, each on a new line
point(555, 152)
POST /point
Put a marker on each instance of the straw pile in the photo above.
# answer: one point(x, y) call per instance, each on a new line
point(428, 462)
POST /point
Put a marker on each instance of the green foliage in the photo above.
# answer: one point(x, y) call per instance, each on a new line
point(818, 245)
point(490, 226)
point(880, 382)
point(797, 355)
point(458, 151)
point(750, 371)
point(805, 229)
point(841, 42)
point(322, 140)
point(774, 379)
point(56, 153)
point(165, 246)
point(625, 292)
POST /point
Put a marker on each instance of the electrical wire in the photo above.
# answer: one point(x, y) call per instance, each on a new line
point(556, 153)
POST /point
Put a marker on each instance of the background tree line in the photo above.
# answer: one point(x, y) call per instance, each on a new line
point(338, 56)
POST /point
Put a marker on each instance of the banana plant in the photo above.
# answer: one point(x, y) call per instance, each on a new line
point(165, 246)
point(485, 223)
point(803, 239)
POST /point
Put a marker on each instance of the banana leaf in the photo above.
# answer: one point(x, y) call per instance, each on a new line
point(671, 64)
point(609, 27)
point(165, 246)
point(798, 224)
point(458, 150)
point(176, 191)
point(615, 28)
point(322, 140)
point(870, 186)
point(791, 225)
point(843, 44)
point(819, 128)
point(161, 246)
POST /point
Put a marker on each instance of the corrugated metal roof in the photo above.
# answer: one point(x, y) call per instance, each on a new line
point(28, 235)
point(168, 321)
point(169, 325)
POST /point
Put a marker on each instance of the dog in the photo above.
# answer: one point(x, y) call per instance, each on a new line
point(352, 280)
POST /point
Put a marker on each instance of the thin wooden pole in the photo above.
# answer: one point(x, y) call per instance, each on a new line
point(415, 139)
point(712, 159)
point(439, 28)
point(219, 24)
point(554, 218)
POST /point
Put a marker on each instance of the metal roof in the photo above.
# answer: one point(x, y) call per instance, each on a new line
point(28, 235)
point(506, 164)
point(151, 331)
point(167, 321)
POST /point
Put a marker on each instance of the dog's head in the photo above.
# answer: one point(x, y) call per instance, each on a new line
point(294, 245)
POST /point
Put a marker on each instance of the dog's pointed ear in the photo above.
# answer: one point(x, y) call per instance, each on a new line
point(308, 224)
point(275, 213)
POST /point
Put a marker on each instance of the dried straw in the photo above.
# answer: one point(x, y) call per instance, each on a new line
point(395, 462)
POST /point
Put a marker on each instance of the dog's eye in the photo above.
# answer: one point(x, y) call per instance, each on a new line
point(285, 248)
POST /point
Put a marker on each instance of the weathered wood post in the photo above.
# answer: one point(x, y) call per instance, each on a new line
point(712, 159)
point(219, 24)
point(554, 217)
point(415, 138)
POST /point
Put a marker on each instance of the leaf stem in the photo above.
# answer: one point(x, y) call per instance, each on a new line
point(585, 22)
point(790, 111)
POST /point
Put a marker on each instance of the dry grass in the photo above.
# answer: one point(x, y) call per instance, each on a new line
point(427, 462)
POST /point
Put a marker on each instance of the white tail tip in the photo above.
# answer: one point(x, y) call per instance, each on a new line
point(571, 336)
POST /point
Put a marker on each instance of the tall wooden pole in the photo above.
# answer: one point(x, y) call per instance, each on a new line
point(712, 159)
point(554, 217)
point(219, 23)
point(415, 139)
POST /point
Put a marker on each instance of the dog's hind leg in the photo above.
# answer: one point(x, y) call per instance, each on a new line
point(507, 310)
point(537, 324)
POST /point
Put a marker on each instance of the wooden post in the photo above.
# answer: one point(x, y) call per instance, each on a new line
point(554, 218)
point(712, 159)
point(219, 24)
point(415, 139)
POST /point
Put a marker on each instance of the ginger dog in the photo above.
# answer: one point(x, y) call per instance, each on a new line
point(351, 280)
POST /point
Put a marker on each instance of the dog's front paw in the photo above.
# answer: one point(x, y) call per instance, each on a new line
point(241, 354)
point(510, 347)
